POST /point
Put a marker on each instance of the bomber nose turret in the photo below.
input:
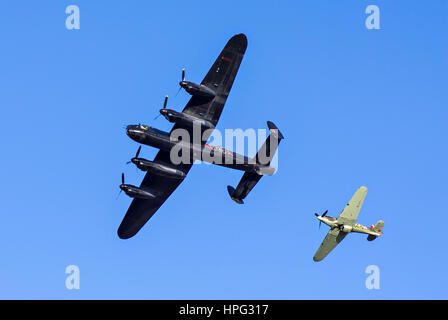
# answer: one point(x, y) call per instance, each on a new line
point(130, 130)
point(136, 132)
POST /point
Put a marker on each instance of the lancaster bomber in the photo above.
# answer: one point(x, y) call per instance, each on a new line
point(345, 224)
point(163, 175)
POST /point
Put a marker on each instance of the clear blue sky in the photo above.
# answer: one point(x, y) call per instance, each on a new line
point(357, 107)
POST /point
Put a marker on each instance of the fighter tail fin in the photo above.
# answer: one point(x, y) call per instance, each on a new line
point(378, 227)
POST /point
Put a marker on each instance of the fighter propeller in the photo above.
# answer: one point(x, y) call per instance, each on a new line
point(323, 215)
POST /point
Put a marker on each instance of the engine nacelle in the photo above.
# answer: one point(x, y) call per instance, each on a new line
point(158, 169)
point(135, 192)
point(198, 90)
point(184, 119)
point(346, 228)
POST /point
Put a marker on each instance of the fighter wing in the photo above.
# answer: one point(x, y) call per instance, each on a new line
point(219, 78)
point(351, 211)
point(141, 210)
point(334, 236)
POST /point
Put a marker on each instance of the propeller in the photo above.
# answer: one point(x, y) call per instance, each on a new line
point(180, 83)
point(320, 222)
point(164, 106)
point(323, 215)
point(136, 155)
point(122, 182)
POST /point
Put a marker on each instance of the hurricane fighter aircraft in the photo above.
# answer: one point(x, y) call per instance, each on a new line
point(345, 224)
point(202, 110)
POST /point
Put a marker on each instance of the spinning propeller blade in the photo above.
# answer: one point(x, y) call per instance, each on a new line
point(164, 106)
point(122, 182)
point(323, 215)
point(136, 155)
point(180, 83)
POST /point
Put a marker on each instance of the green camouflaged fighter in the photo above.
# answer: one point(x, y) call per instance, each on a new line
point(346, 223)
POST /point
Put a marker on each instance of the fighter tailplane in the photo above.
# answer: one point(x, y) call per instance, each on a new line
point(378, 228)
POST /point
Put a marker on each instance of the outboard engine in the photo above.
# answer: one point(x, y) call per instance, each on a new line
point(133, 191)
point(155, 168)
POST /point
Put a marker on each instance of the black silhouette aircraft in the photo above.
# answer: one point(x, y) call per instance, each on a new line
point(202, 111)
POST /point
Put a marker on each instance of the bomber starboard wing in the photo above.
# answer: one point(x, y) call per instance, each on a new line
point(141, 210)
point(220, 79)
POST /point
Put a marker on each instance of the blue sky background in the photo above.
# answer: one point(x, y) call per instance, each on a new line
point(357, 107)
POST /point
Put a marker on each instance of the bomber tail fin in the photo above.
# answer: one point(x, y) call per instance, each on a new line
point(269, 147)
point(263, 160)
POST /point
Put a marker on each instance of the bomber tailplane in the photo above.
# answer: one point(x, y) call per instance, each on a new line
point(263, 159)
point(247, 182)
